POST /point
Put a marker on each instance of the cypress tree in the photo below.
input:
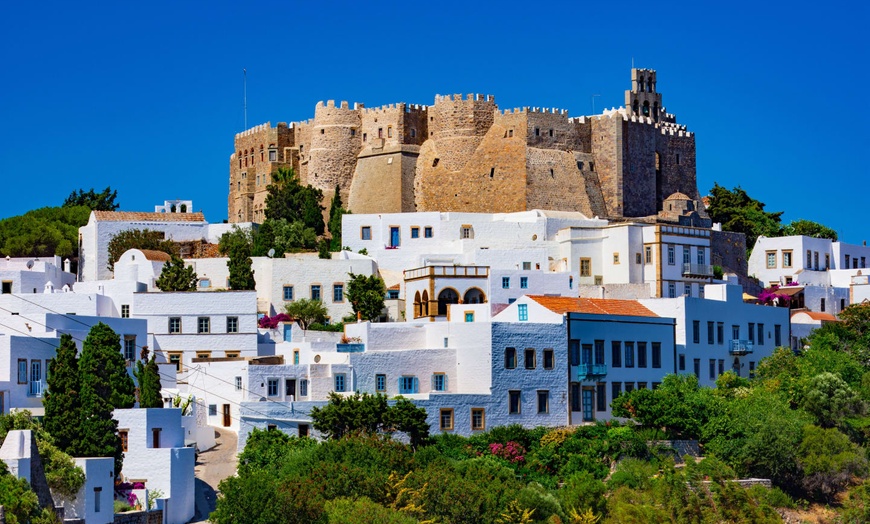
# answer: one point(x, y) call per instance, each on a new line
point(63, 400)
point(105, 386)
point(148, 375)
point(175, 276)
point(241, 273)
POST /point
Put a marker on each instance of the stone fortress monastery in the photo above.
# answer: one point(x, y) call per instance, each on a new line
point(468, 155)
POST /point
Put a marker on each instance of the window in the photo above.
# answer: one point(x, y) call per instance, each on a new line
point(380, 383)
point(238, 383)
point(760, 334)
point(514, 402)
point(510, 358)
point(505, 282)
point(203, 325)
point(212, 411)
point(365, 233)
point(629, 354)
point(615, 258)
point(641, 354)
point(231, 354)
point(338, 293)
point(701, 256)
point(548, 359)
point(7, 287)
point(174, 325)
point(576, 397)
point(615, 389)
point(810, 259)
point(303, 388)
point(527, 266)
point(415, 232)
point(304, 430)
point(339, 382)
point(469, 316)
point(408, 385)
point(175, 358)
point(439, 382)
point(696, 331)
point(427, 232)
point(155, 437)
point(124, 434)
point(786, 259)
point(828, 261)
point(681, 359)
point(751, 332)
point(315, 292)
point(272, 387)
point(125, 311)
point(288, 293)
point(822, 305)
point(22, 371)
point(712, 369)
point(97, 496)
point(523, 312)
point(687, 290)
point(751, 369)
point(629, 386)
point(771, 259)
point(543, 401)
point(290, 388)
point(389, 131)
point(777, 335)
point(478, 419)
point(465, 232)
point(863, 262)
point(721, 366)
point(711, 339)
point(295, 357)
point(616, 354)
point(672, 290)
point(531, 359)
point(647, 254)
point(232, 324)
point(600, 397)
point(585, 267)
point(720, 333)
point(205, 283)
point(671, 255)
point(574, 352)
point(524, 282)
point(273, 155)
point(130, 347)
point(696, 367)
point(446, 419)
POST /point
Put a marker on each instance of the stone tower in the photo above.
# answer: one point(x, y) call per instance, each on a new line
point(335, 143)
point(642, 99)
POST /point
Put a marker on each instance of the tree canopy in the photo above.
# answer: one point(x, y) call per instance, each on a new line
point(809, 228)
point(139, 239)
point(102, 201)
point(148, 375)
point(240, 267)
point(336, 212)
point(290, 200)
point(370, 415)
point(307, 311)
point(43, 232)
point(63, 401)
point(366, 295)
point(176, 276)
point(740, 213)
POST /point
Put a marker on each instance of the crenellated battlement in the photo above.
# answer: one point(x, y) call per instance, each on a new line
point(542, 110)
point(401, 107)
point(470, 97)
point(254, 130)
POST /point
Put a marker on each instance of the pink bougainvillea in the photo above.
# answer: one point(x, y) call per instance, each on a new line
point(267, 322)
point(512, 451)
point(770, 297)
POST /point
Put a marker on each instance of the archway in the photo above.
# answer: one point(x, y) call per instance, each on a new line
point(417, 305)
point(474, 296)
point(445, 298)
point(424, 304)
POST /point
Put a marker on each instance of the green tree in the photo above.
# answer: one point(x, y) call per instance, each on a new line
point(102, 201)
point(240, 268)
point(236, 238)
point(363, 511)
point(404, 416)
point(344, 415)
point(139, 239)
point(679, 406)
point(829, 399)
point(366, 295)
point(738, 212)
point(829, 462)
point(148, 375)
point(62, 401)
point(292, 237)
point(176, 276)
point(105, 386)
point(809, 228)
point(293, 202)
point(16, 497)
point(264, 240)
point(43, 232)
point(307, 312)
point(336, 212)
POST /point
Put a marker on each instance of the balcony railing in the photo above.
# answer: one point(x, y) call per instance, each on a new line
point(350, 348)
point(37, 388)
point(447, 271)
point(697, 270)
point(591, 371)
point(741, 347)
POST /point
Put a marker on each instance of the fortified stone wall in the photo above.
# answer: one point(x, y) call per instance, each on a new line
point(335, 145)
point(606, 136)
point(252, 160)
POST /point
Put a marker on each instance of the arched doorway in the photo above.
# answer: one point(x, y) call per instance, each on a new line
point(424, 304)
point(418, 309)
point(445, 298)
point(474, 296)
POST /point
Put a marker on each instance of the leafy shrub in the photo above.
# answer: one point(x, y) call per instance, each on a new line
point(362, 511)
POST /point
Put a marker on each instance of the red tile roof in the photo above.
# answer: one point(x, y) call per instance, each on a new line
point(138, 216)
point(155, 256)
point(598, 306)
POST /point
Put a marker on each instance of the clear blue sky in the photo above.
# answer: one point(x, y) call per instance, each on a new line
point(146, 96)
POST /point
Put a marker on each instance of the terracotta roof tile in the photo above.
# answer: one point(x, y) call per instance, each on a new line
point(598, 306)
point(155, 256)
point(141, 216)
point(815, 315)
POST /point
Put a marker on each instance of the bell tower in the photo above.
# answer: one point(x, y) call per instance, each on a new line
point(642, 100)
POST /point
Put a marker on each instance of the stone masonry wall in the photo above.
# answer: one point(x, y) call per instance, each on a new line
point(335, 144)
point(606, 135)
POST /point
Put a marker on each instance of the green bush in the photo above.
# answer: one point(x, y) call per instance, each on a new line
point(363, 511)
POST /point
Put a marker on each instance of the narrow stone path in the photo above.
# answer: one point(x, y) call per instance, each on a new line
point(212, 467)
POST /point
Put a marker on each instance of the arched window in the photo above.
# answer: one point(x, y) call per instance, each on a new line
point(641, 84)
point(445, 298)
point(646, 109)
point(474, 296)
point(424, 304)
point(656, 111)
point(636, 107)
point(417, 305)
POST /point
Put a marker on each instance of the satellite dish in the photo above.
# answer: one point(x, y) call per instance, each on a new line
point(271, 253)
point(30, 264)
point(316, 359)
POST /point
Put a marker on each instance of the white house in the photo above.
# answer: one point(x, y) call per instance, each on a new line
point(94, 502)
point(34, 275)
point(154, 453)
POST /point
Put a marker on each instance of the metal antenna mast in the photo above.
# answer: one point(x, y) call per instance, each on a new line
point(245, 73)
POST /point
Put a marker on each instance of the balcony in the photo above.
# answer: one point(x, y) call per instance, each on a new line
point(447, 271)
point(591, 371)
point(697, 270)
point(741, 347)
point(37, 388)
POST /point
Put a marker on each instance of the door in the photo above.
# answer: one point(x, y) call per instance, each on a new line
point(588, 405)
point(394, 237)
point(587, 360)
point(288, 335)
point(290, 390)
point(36, 377)
point(2, 403)
point(226, 413)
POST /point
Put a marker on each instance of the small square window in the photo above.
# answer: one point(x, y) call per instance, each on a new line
point(408, 385)
point(381, 383)
point(505, 282)
point(446, 419)
point(524, 282)
point(365, 233)
point(232, 324)
point(203, 325)
point(175, 358)
point(288, 293)
point(415, 232)
point(543, 402)
point(427, 232)
point(439, 382)
point(339, 382)
point(616, 258)
point(125, 311)
point(212, 410)
point(315, 292)
point(272, 385)
point(527, 266)
point(205, 283)
point(585, 267)
point(523, 312)
point(478, 419)
point(469, 316)
point(174, 325)
point(548, 359)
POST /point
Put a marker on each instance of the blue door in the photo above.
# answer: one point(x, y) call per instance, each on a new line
point(394, 236)
point(287, 334)
point(588, 403)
